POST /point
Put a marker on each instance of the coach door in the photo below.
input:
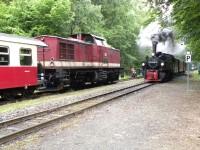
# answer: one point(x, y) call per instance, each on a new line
point(28, 72)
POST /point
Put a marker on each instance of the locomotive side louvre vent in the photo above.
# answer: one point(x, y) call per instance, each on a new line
point(66, 51)
point(4, 56)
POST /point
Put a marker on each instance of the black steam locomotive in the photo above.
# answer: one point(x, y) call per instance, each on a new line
point(162, 67)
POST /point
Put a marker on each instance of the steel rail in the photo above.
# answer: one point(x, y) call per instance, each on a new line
point(30, 116)
point(72, 109)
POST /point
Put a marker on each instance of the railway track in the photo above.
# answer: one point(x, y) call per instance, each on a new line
point(43, 93)
point(12, 129)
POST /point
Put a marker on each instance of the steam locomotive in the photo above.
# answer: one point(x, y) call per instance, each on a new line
point(161, 66)
point(51, 63)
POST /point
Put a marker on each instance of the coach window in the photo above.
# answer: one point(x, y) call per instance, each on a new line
point(25, 57)
point(4, 56)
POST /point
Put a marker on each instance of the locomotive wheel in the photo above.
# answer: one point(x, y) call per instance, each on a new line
point(162, 76)
point(168, 76)
point(60, 86)
point(28, 93)
point(7, 96)
point(77, 85)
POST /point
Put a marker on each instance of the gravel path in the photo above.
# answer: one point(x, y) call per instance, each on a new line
point(162, 117)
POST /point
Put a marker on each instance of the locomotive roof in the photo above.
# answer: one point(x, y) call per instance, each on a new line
point(62, 38)
point(70, 38)
point(75, 40)
point(98, 37)
point(166, 54)
point(19, 39)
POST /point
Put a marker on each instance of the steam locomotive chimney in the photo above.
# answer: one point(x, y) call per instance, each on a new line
point(154, 46)
point(155, 39)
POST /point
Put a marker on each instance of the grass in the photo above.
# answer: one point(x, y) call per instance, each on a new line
point(124, 78)
point(19, 104)
point(195, 76)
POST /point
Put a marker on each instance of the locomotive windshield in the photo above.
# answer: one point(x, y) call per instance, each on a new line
point(153, 62)
point(89, 39)
point(99, 41)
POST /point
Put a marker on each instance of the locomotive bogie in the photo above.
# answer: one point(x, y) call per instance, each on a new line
point(58, 79)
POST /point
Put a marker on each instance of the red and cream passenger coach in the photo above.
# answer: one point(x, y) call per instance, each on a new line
point(18, 64)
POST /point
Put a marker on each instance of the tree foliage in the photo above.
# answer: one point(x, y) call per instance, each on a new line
point(117, 20)
point(3, 17)
point(35, 17)
point(186, 17)
point(122, 22)
point(186, 21)
point(87, 17)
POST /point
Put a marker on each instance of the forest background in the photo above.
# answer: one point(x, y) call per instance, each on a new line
point(119, 21)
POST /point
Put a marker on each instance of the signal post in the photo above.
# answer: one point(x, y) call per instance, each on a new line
point(188, 60)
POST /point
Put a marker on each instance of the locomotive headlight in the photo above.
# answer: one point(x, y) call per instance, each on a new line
point(162, 64)
point(42, 76)
point(143, 64)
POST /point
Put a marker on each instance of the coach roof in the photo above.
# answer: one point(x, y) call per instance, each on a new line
point(20, 39)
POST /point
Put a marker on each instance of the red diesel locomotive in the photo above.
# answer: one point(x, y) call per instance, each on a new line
point(76, 60)
point(52, 62)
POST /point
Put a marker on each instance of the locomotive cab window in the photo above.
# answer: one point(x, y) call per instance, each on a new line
point(89, 39)
point(25, 57)
point(4, 56)
point(99, 42)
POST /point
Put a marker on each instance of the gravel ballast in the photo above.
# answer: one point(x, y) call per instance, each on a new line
point(162, 117)
point(62, 99)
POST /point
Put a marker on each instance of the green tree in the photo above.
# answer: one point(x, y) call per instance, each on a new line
point(36, 17)
point(3, 17)
point(6, 1)
point(87, 17)
point(122, 22)
point(186, 21)
point(186, 17)
point(119, 21)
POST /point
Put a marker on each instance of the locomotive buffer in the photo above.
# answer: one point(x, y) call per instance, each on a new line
point(188, 60)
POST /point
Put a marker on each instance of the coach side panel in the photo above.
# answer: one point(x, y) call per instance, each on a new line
point(20, 67)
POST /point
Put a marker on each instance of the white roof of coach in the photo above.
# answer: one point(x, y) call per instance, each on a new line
point(20, 39)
